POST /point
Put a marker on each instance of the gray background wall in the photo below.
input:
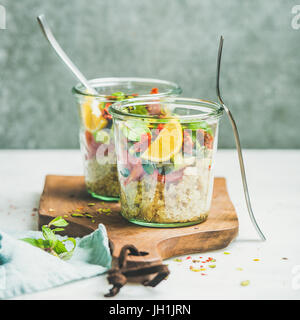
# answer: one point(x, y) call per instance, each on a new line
point(170, 39)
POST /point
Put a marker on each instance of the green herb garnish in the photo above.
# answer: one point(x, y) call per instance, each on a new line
point(199, 125)
point(50, 243)
point(133, 130)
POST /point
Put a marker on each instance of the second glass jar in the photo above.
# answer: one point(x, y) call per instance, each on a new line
point(97, 132)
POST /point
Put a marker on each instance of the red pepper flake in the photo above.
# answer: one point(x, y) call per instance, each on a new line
point(203, 274)
point(160, 126)
point(189, 257)
point(154, 91)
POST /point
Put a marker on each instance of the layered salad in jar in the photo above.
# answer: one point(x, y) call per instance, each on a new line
point(165, 163)
point(97, 144)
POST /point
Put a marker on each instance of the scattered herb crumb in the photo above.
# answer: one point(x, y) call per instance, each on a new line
point(212, 266)
point(177, 260)
point(194, 269)
point(245, 283)
point(91, 204)
point(77, 215)
point(239, 269)
point(226, 252)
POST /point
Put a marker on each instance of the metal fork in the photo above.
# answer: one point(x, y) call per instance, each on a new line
point(238, 144)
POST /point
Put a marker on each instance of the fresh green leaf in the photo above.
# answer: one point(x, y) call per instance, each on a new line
point(49, 235)
point(60, 248)
point(68, 255)
point(71, 240)
point(119, 95)
point(33, 242)
point(133, 130)
point(102, 136)
point(199, 125)
point(58, 229)
point(142, 110)
point(58, 222)
point(51, 244)
point(39, 243)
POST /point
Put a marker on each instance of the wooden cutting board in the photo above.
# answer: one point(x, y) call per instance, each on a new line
point(63, 195)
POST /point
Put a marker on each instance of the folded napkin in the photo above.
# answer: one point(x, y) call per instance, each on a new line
point(27, 269)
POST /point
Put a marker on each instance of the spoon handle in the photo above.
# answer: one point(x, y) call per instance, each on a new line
point(238, 146)
point(55, 45)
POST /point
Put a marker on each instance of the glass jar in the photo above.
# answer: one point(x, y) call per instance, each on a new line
point(96, 129)
point(165, 155)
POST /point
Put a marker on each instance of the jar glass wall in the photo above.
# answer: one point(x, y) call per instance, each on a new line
point(97, 132)
point(165, 154)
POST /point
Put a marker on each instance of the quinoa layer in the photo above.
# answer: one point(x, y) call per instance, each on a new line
point(185, 201)
point(102, 179)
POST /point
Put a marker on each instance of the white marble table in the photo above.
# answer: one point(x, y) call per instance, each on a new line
point(274, 183)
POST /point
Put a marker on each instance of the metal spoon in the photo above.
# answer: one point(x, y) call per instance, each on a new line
point(238, 144)
point(55, 45)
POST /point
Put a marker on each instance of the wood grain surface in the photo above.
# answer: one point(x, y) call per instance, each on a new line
point(64, 195)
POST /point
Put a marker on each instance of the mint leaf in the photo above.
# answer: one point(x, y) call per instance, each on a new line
point(58, 229)
point(58, 222)
point(133, 130)
point(33, 242)
point(60, 248)
point(39, 243)
point(68, 254)
point(49, 235)
point(51, 244)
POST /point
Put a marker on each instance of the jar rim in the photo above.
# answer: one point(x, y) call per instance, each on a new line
point(174, 89)
point(214, 111)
